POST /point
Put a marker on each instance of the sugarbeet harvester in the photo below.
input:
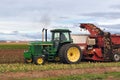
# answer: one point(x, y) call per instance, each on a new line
point(99, 46)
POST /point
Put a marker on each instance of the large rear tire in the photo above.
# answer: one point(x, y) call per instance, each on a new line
point(70, 53)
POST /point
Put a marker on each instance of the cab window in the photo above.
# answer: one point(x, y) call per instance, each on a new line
point(65, 36)
point(56, 36)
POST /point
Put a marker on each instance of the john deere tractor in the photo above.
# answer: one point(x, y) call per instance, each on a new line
point(60, 48)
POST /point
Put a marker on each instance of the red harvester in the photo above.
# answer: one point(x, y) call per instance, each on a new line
point(100, 45)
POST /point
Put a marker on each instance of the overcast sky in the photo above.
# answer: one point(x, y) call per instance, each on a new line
point(33, 15)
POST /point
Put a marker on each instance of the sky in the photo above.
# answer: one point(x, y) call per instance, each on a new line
point(24, 19)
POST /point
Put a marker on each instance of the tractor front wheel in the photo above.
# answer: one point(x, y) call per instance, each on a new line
point(70, 53)
point(39, 60)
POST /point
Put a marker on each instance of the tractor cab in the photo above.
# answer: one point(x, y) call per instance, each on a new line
point(60, 37)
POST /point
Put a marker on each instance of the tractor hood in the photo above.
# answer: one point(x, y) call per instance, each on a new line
point(41, 43)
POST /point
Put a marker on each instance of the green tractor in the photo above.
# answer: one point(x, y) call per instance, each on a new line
point(60, 48)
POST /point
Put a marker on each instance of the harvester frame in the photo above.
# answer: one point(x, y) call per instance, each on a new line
point(103, 46)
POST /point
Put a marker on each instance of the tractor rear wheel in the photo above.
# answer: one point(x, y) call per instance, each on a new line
point(70, 53)
point(39, 60)
point(116, 57)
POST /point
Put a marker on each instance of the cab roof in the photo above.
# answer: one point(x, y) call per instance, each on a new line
point(60, 30)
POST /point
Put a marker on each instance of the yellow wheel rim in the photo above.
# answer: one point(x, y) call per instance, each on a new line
point(29, 60)
point(40, 60)
point(73, 54)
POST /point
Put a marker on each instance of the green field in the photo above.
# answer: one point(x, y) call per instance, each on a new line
point(29, 71)
point(53, 66)
point(13, 46)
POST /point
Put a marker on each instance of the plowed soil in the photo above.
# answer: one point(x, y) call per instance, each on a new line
point(56, 73)
point(11, 55)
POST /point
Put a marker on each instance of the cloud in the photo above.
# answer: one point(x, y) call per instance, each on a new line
point(31, 16)
point(114, 29)
point(16, 35)
point(115, 7)
point(106, 15)
point(108, 21)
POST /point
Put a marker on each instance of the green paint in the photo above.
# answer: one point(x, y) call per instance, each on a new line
point(50, 49)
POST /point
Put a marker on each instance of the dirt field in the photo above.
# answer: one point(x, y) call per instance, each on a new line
point(56, 73)
point(12, 52)
point(11, 55)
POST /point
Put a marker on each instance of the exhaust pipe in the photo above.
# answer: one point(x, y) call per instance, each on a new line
point(44, 35)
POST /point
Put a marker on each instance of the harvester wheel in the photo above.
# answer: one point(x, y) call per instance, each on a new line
point(70, 53)
point(28, 60)
point(39, 60)
point(116, 57)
